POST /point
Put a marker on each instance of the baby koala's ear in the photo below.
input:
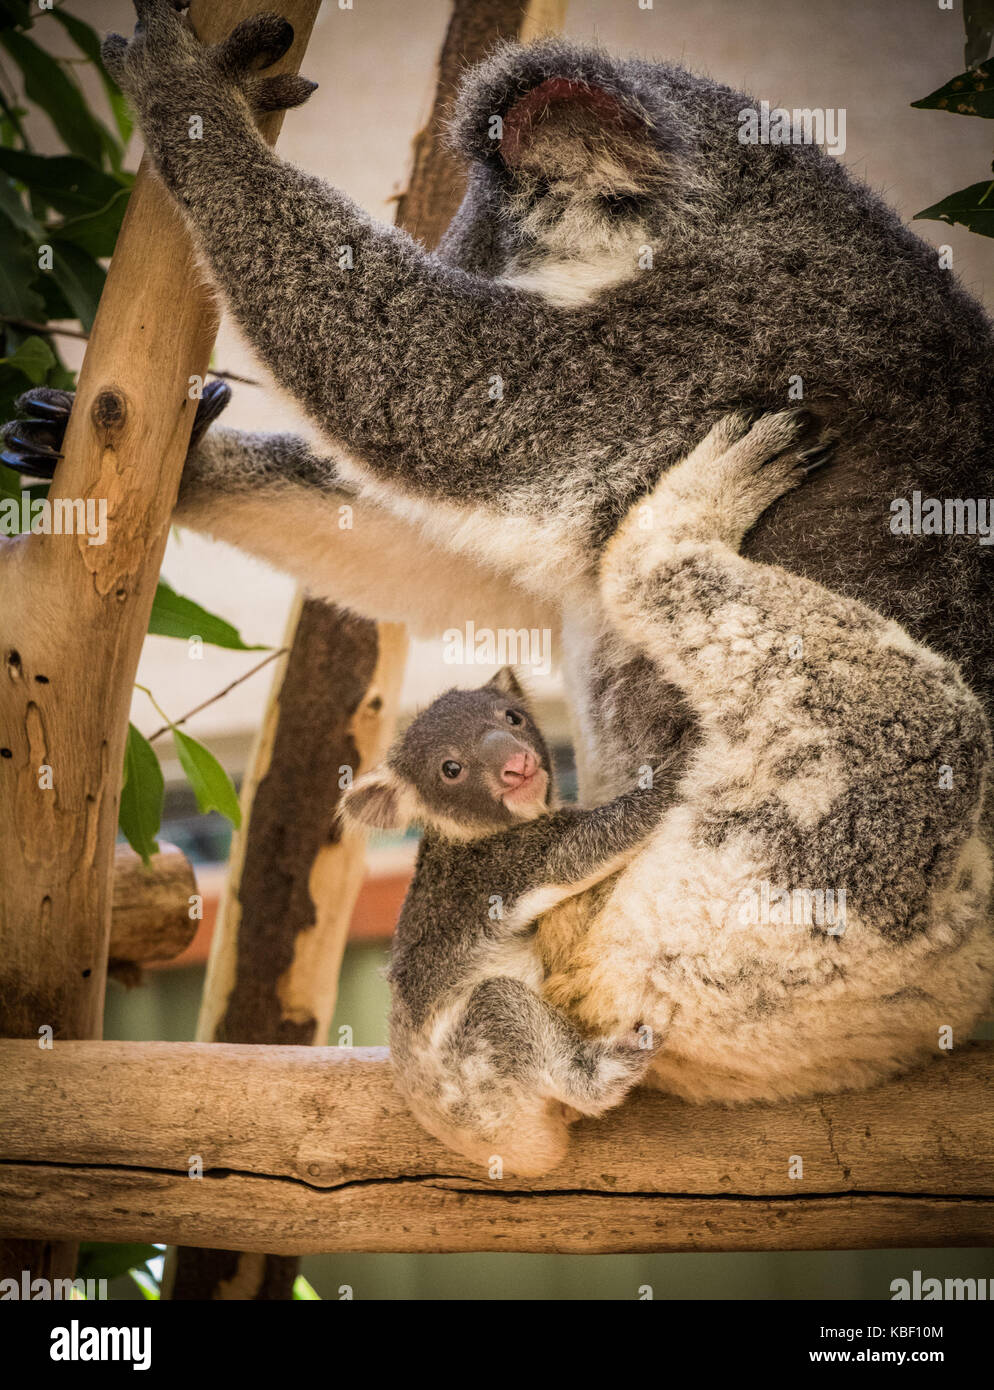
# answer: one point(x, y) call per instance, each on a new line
point(378, 800)
point(505, 682)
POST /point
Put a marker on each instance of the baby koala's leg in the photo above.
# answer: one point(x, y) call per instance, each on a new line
point(672, 579)
point(527, 1073)
point(545, 1052)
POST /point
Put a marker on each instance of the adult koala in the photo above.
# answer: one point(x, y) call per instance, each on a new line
point(631, 272)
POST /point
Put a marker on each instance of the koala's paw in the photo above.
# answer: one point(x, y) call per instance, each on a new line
point(164, 63)
point(776, 454)
point(34, 445)
point(622, 1063)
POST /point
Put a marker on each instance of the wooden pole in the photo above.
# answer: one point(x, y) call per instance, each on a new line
point(294, 878)
point(74, 616)
point(312, 1149)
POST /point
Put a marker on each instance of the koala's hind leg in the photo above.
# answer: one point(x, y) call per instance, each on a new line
point(534, 1043)
point(672, 579)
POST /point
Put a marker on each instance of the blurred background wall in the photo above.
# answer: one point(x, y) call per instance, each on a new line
point(375, 66)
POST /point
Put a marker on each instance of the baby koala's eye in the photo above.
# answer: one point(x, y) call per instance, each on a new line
point(451, 769)
point(513, 717)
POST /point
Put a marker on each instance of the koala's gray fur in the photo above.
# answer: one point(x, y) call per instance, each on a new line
point(483, 1061)
point(768, 263)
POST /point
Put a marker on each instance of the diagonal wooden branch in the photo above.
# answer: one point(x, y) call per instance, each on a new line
point(74, 615)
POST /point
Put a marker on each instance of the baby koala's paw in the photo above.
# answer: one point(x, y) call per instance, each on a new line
point(626, 1060)
point(776, 454)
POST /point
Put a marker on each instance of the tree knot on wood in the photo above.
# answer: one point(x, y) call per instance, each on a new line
point(109, 411)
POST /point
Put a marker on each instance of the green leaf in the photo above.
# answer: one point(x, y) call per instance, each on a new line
point(141, 795)
point(34, 358)
point(970, 94)
point(87, 40)
point(12, 385)
point(176, 616)
point(96, 232)
point(211, 784)
point(14, 12)
point(973, 207)
point(10, 484)
point(69, 185)
point(48, 84)
point(13, 209)
point(79, 277)
point(100, 1261)
point(978, 17)
point(18, 267)
point(303, 1290)
point(148, 1285)
point(56, 304)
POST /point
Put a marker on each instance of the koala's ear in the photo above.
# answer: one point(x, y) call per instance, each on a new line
point(377, 800)
point(505, 682)
point(566, 112)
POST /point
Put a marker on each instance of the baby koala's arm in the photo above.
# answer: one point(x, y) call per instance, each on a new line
point(571, 850)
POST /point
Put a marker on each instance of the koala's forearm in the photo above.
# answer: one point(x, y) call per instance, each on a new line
point(386, 348)
point(277, 498)
point(573, 849)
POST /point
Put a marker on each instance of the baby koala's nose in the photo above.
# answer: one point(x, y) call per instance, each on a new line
point(518, 767)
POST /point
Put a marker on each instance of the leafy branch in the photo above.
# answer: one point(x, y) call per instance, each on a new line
point(969, 94)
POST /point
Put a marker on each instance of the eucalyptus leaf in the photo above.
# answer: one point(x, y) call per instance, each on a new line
point(98, 1260)
point(62, 181)
point(142, 795)
point(173, 615)
point(14, 12)
point(970, 94)
point(13, 209)
point(10, 486)
point(87, 40)
point(146, 1282)
point(978, 17)
point(80, 278)
point(34, 358)
point(96, 232)
point(18, 267)
point(211, 785)
point(49, 86)
point(973, 207)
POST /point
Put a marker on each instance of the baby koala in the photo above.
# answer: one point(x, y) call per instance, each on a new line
point(485, 1064)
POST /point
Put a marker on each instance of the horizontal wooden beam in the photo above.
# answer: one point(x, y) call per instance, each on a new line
point(311, 1149)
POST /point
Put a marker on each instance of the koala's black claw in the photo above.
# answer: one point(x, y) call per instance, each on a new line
point(817, 456)
point(215, 398)
point(35, 436)
point(802, 418)
point(48, 402)
point(36, 466)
